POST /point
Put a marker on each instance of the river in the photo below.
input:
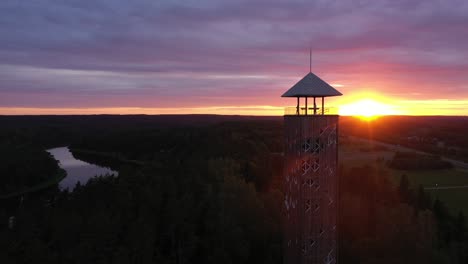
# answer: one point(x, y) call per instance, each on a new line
point(77, 170)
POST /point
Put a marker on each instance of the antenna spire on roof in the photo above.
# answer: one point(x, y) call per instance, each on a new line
point(310, 59)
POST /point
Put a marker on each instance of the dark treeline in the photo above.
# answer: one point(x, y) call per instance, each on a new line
point(381, 223)
point(24, 166)
point(212, 193)
point(57, 131)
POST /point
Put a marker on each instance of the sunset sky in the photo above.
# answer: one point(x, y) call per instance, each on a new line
point(229, 57)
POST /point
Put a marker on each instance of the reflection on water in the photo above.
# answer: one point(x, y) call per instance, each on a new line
point(77, 170)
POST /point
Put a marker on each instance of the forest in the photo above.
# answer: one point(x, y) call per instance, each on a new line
point(198, 189)
point(16, 175)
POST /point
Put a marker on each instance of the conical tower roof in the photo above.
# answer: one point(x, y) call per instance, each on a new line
point(311, 86)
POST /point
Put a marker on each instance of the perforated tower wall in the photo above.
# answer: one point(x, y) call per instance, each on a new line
point(311, 189)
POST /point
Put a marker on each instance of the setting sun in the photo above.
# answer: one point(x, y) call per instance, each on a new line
point(367, 109)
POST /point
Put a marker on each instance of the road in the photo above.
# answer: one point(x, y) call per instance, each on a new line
point(446, 187)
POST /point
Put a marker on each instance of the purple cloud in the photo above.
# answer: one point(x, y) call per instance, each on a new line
point(197, 53)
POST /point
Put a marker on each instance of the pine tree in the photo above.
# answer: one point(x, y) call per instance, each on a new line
point(404, 188)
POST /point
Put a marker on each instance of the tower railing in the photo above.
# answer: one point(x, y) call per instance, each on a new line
point(291, 111)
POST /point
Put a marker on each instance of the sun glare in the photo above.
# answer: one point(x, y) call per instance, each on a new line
point(367, 109)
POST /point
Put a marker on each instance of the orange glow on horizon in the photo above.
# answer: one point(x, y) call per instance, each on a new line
point(367, 106)
point(367, 109)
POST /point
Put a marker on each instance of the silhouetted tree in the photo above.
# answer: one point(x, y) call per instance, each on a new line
point(403, 189)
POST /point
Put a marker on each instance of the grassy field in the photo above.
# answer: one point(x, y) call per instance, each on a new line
point(356, 153)
point(448, 177)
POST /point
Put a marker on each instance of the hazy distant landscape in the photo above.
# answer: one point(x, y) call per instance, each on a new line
point(208, 189)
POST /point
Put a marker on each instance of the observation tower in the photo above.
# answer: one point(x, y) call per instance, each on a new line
point(310, 176)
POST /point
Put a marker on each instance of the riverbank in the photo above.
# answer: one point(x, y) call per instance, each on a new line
point(61, 174)
point(101, 158)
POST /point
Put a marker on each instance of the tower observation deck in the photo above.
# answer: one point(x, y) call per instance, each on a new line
point(310, 176)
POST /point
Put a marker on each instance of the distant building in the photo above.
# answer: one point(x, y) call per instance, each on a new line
point(310, 176)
